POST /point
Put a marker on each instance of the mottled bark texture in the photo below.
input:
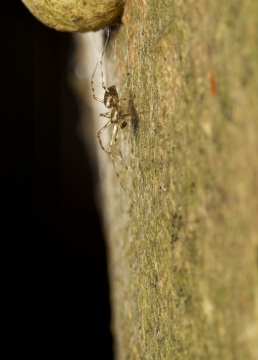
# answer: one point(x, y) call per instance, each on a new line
point(183, 260)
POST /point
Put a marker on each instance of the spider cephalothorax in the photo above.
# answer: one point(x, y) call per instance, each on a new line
point(111, 97)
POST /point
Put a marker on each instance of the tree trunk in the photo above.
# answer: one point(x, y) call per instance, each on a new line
point(183, 258)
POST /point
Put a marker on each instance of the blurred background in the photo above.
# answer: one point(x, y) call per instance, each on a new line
point(55, 269)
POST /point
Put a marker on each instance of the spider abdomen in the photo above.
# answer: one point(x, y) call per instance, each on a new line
point(116, 113)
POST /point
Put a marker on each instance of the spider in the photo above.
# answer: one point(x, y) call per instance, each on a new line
point(116, 116)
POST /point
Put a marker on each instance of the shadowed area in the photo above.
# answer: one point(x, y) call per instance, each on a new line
point(56, 287)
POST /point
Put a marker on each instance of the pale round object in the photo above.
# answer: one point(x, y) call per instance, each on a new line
point(76, 15)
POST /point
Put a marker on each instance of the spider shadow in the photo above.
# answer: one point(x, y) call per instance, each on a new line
point(134, 117)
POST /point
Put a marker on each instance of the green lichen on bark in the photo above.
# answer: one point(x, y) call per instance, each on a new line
point(183, 259)
point(76, 15)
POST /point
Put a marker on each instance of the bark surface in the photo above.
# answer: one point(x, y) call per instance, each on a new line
point(183, 259)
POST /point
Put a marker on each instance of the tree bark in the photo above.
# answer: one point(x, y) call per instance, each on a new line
point(183, 258)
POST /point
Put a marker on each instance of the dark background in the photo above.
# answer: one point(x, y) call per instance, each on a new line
point(55, 286)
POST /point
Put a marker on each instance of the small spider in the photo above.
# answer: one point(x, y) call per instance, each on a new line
point(116, 116)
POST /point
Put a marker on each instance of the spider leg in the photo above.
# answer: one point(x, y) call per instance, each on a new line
point(125, 115)
point(106, 115)
point(101, 64)
point(100, 132)
point(118, 148)
point(125, 99)
point(114, 135)
point(132, 114)
point(92, 86)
